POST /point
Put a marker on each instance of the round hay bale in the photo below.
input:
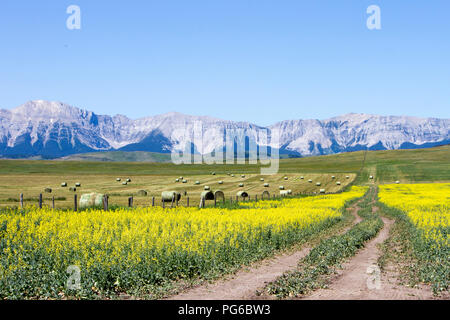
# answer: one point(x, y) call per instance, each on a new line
point(219, 194)
point(243, 176)
point(167, 196)
point(262, 179)
point(232, 175)
point(142, 193)
point(197, 182)
point(281, 187)
point(241, 185)
point(302, 177)
point(338, 183)
point(64, 184)
point(206, 188)
point(265, 194)
point(347, 177)
point(124, 183)
point(289, 191)
point(73, 189)
point(118, 179)
point(371, 177)
point(220, 182)
point(283, 193)
point(310, 181)
point(128, 180)
point(213, 173)
point(266, 185)
point(184, 181)
point(88, 200)
point(397, 182)
point(181, 178)
point(286, 178)
point(322, 190)
point(318, 184)
point(242, 194)
point(207, 195)
point(333, 177)
point(177, 180)
point(77, 184)
point(48, 190)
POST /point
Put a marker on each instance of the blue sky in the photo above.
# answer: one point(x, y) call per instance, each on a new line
point(259, 61)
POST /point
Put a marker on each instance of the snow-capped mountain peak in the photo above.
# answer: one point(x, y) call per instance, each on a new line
point(55, 129)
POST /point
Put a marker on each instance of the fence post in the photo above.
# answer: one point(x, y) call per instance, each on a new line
point(187, 204)
point(231, 200)
point(215, 201)
point(153, 201)
point(173, 200)
point(130, 202)
point(75, 203)
point(176, 204)
point(163, 205)
point(40, 201)
point(53, 202)
point(256, 198)
point(21, 200)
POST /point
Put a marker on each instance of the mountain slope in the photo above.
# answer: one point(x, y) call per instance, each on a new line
point(54, 129)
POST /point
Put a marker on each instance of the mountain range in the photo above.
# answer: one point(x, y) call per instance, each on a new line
point(54, 129)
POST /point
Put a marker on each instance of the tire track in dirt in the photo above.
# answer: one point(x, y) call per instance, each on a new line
point(244, 284)
point(354, 282)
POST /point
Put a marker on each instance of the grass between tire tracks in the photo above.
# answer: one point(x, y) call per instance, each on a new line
point(327, 257)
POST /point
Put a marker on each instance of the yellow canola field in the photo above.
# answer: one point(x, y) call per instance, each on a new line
point(427, 205)
point(154, 242)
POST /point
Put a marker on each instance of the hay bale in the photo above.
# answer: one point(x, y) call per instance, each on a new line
point(242, 194)
point(289, 191)
point(371, 177)
point(219, 194)
point(181, 178)
point(142, 193)
point(322, 190)
point(302, 177)
point(177, 180)
point(262, 179)
point(73, 189)
point(64, 184)
point(93, 199)
point(128, 180)
point(397, 182)
point(232, 175)
point(197, 182)
point(338, 183)
point(243, 176)
point(347, 177)
point(207, 195)
point(286, 178)
point(167, 196)
point(281, 187)
point(310, 181)
point(220, 182)
point(124, 183)
point(318, 184)
point(213, 173)
point(184, 181)
point(118, 179)
point(283, 193)
point(77, 184)
point(48, 190)
point(333, 177)
point(241, 185)
point(266, 185)
point(206, 188)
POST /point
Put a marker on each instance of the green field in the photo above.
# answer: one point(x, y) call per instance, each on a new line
point(31, 177)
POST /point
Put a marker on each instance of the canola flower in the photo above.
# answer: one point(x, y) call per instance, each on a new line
point(127, 250)
point(427, 206)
